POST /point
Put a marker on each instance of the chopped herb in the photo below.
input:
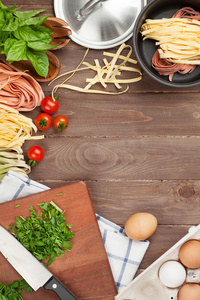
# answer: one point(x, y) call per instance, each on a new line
point(58, 208)
point(59, 194)
point(17, 205)
point(46, 235)
point(13, 290)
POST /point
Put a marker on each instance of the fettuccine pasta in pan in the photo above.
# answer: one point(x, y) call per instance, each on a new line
point(178, 41)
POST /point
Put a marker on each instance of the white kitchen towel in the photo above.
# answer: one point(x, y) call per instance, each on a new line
point(124, 254)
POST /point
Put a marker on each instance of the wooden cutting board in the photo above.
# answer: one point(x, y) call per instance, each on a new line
point(85, 270)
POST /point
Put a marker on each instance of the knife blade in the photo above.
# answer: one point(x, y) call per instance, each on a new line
point(35, 274)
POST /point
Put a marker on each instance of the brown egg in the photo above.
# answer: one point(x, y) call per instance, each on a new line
point(140, 226)
point(189, 254)
point(189, 291)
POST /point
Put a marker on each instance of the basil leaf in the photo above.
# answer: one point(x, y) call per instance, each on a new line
point(4, 35)
point(8, 22)
point(17, 28)
point(3, 7)
point(31, 21)
point(40, 45)
point(8, 15)
point(27, 14)
point(26, 33)
point(42, 29)
point(8, 44)
point(1, 16)
point(17, 51)
point(11, 26)
point(39, 60)
point(2, 49)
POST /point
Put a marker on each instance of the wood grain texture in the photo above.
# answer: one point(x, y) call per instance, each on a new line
point(118, 158)
point(145, 114)
point(137, 151)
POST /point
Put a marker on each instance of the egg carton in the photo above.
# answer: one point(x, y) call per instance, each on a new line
point(147, 285)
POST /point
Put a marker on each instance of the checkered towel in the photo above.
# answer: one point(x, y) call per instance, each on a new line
point(123, 253)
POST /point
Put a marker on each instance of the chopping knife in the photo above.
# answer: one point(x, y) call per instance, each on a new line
point(35, 274)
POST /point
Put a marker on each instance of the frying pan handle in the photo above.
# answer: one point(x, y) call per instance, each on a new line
point(87, 9)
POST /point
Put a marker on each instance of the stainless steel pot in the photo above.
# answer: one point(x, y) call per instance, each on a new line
point(99, 24)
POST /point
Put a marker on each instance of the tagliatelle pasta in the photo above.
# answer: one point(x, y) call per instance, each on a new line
point(104, 75)
point(15, 128)
point(178, 41)
point(19, 90)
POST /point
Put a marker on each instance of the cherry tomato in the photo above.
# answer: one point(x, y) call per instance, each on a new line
point(60, 122)
point(35, 154)
point(49, 105)
point(43, 121)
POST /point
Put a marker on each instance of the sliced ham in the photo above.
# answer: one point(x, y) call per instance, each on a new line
point(19, 90)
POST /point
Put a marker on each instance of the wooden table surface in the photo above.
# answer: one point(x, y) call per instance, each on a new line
point(137, 152)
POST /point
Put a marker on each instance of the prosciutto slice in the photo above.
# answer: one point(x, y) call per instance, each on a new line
point(19, 90)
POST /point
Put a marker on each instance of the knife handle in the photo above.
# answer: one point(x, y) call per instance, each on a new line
point(55, 285)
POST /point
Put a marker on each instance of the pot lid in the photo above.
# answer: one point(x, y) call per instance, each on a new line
point(99, 24)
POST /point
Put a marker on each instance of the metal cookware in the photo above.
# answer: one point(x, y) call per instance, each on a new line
point(99, 24)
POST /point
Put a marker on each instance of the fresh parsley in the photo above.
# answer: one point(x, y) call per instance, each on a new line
point(13, 290)
point(23, 38)
point(46, 235)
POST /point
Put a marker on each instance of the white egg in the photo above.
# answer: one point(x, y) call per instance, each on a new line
point(172, 274)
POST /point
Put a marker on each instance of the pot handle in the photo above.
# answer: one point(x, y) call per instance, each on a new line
point(87, 9)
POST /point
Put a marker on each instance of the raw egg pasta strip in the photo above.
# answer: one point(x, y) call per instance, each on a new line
point(18, 89)
point(106, 74)
point(15, 128)
point(73, 71)
point(133, 61)
point(175, 47)
point(13, 159)
point(179, 51)
point(90, 91)
point(107, 64)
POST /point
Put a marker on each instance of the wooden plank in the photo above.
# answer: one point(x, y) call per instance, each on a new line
point(33, 4)
point(29, 3)
point(130, 115)
point(85, 270)
point(148, 158)
point(172, 202)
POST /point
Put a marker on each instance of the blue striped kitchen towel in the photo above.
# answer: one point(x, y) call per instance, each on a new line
point(124, 254)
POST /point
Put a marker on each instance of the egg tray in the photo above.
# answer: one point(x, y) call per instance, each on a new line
point(147, 285)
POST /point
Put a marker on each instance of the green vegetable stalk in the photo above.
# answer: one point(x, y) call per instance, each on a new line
point(23, 38)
